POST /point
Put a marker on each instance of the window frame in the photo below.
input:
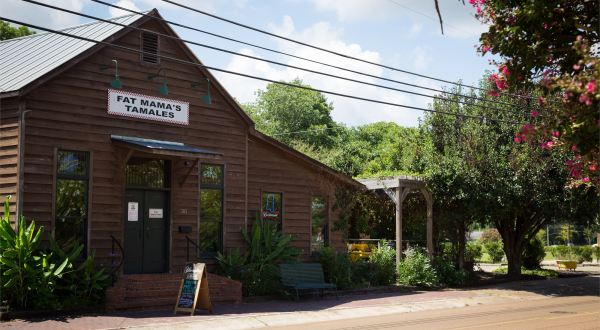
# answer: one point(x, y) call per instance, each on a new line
point(88, 191)
point(221, 187)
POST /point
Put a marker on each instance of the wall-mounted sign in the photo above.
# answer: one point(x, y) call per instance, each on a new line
point(132, 211)
point(134, 105)
point(155, 213)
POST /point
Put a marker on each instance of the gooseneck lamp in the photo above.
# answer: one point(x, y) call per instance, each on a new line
point(163, 89)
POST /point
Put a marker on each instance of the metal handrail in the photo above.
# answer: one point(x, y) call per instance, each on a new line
point(114, 271)
point(188, 240)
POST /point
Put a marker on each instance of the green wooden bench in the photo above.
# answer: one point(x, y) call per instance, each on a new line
point(302, 277)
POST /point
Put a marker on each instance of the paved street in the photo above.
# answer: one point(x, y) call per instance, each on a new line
point(574, 302)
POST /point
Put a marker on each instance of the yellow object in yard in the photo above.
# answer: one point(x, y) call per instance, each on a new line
point(359, 251)
point(566, 264)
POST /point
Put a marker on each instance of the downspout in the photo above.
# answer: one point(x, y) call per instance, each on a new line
point(246, 184)
point(21, 162)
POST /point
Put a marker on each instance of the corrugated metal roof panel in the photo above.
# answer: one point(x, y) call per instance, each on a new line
point(24, 60)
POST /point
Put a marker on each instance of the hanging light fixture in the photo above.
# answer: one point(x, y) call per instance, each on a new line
point(116, 81)
point(163, 89)
point(206, 98)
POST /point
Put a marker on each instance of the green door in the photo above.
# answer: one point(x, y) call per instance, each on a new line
point(145, 231)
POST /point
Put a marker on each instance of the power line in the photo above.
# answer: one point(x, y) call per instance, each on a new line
point(424, 15)
point(328, 50)
point(269, 61)
point(180, 61)
point(300, 57)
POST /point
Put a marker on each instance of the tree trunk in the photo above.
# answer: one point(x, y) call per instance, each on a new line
point(513, 250)
point(461, 245)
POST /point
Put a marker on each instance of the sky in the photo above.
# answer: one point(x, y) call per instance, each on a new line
point(403, 34)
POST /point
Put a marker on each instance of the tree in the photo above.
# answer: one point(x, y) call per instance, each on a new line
point(478, 173)
point(9, 32)
point(294, 115)
point(548, 45)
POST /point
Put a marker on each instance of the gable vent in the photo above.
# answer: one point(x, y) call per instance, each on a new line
point(150, 48)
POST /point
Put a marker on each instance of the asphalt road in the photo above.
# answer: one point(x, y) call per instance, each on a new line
point(580, 312)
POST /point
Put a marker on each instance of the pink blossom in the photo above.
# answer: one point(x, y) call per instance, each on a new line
point(501, 84)
point(534, 113)
point(593, 168)
point(478, 10)
point(574, 147)
point(545, 26)
point(585, 99)
point(505, 71)
point(586, 179)
point(485, 48)
point(517, 139)
point(541, 101)
point(472, 2)
point(555, 133)
point(591, 86)
point(494, 93)
point(576, 67)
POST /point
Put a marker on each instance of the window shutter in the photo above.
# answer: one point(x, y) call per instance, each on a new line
point(150, 48)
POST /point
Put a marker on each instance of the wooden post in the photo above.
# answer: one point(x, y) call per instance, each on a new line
point(429, 199)
point(398, 201)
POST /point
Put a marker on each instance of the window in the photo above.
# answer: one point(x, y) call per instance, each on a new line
point(147, 173)
point(272, 208)
point(211, 209)
point(319, 224)
point(70, 226)
point(150, 48)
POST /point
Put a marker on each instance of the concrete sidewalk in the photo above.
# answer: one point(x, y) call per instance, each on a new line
point(285, 312)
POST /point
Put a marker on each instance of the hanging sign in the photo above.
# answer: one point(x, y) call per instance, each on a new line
point(193, 292)
point(135, 105)
point(132, 211)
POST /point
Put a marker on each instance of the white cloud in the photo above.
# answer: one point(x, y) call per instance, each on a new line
point(114, 12)
point(421, 58)
point(458, 19)
point(31, 13)
point(349, 111)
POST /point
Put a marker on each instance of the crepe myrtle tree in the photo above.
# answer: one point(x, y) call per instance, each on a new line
point(479, 174)
point(552, 46)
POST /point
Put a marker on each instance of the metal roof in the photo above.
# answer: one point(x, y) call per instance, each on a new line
point(162, 145)
point(24, 60)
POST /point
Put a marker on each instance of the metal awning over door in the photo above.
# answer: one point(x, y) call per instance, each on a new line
point(164, 148)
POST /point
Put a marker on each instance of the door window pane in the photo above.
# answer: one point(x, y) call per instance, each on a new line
point(319, 230)
point(272, 208)
point(71, 209)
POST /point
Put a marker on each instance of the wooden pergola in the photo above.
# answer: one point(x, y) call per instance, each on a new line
point(397, 188)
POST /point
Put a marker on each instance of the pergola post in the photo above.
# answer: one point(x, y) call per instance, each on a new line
point(429, 199)
point(398, 224)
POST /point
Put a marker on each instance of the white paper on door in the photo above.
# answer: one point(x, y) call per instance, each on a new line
point(155, 213)
point(132, 211)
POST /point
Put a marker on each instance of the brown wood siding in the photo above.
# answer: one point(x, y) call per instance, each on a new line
point(69, 112)
point(271, 170)
point(9, 152)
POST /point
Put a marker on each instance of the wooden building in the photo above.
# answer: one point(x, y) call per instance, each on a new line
point(104, 145)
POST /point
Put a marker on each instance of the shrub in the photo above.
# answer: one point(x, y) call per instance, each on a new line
point(583, 253)
point(82, 283)
point(257, 269)
point(28, 276)
point(473, 251)
point(490, 235)
point(337, 268)
point(416, 269)
point(383, 264)
point(495, 251)
point(597, 252)
point(562, 252)
point(448, 273)
point(533, 253)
